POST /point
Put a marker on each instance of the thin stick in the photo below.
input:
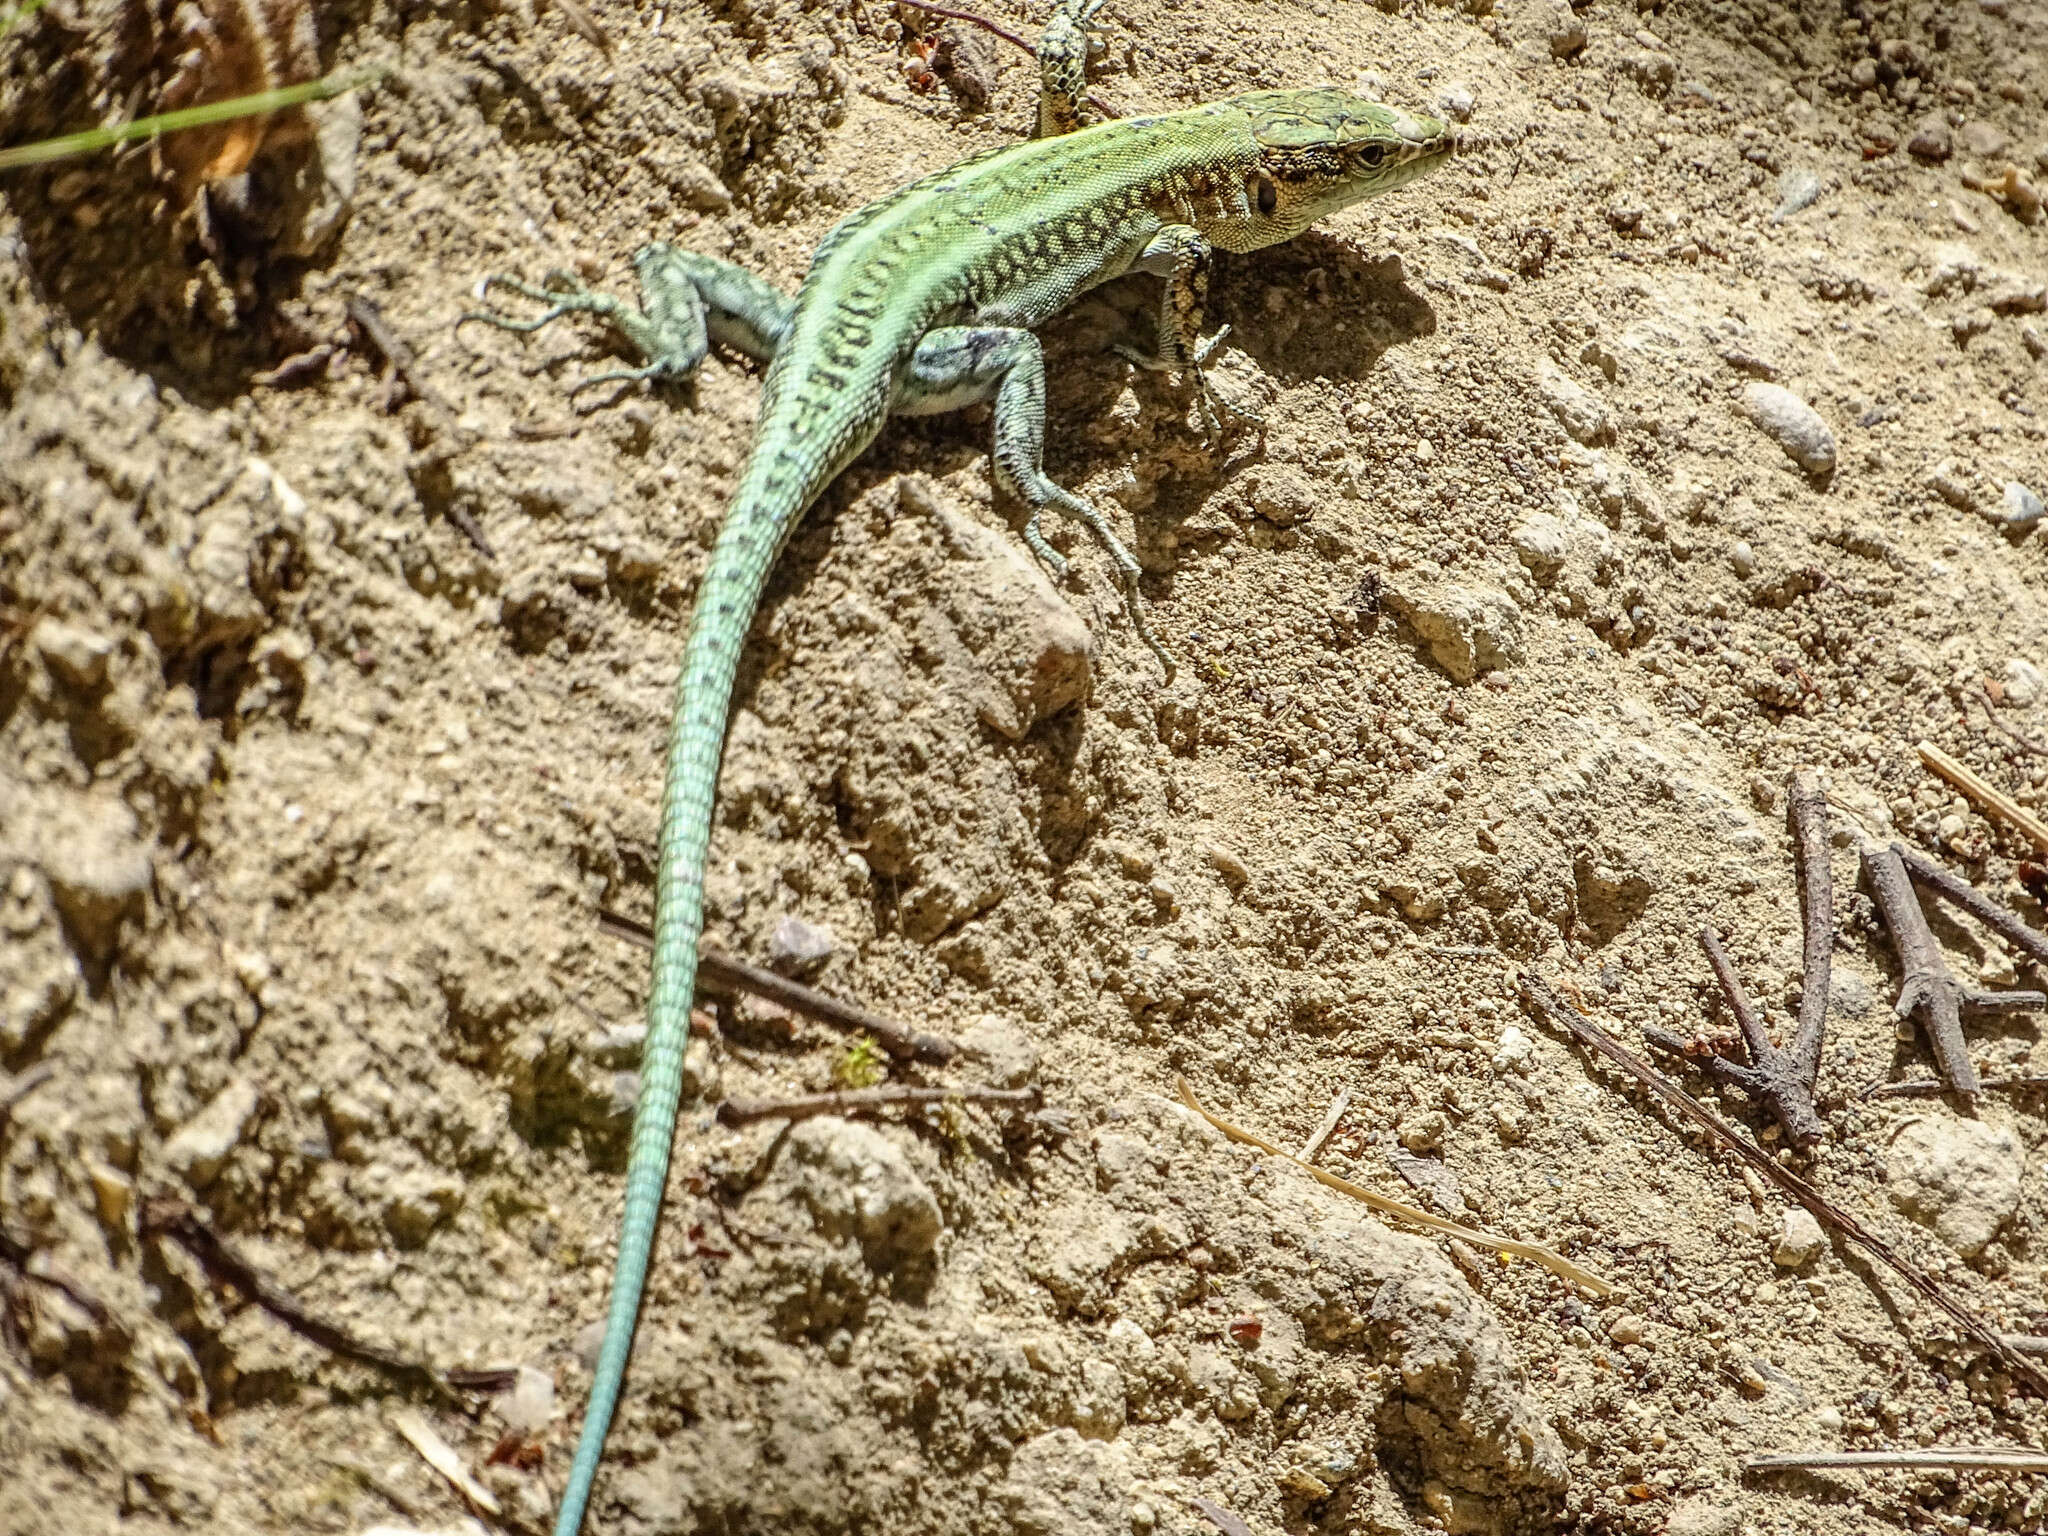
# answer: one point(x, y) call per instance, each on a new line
point(859, 1101)
point(1557, 1264)
point(1996, 801)
point(2028, 1343)
point(718, 971)
point(1999, 919)
point(175, 1219)
point(1000, 31)
point(1808, 812)
point(398, 353)
point(2015, 1458)
point(1537, 994)
point(1331, 1116)
point(1934, 1087)
point(85, 143)
point(13, 1093)
point(2023, 742)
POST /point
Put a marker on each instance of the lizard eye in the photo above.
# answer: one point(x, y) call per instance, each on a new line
point(1268, 195)
point(1372, 155)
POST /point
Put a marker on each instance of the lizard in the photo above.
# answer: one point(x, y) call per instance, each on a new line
point(923, 301)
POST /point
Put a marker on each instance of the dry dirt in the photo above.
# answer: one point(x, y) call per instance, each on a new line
point(1502, 628)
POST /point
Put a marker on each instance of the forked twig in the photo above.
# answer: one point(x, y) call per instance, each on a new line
point(2000, 919)
point(1783, 1081)
point(1536, 992)
point(1928, 991)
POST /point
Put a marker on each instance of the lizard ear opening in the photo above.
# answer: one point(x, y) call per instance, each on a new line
point(1268, 195)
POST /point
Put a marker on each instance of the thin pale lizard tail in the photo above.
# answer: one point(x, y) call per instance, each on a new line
point(773, 495)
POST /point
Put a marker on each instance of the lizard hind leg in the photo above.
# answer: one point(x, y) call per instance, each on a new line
point(690, 300)
point(959, 365)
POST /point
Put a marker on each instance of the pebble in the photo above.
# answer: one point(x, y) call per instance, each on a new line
point(1457, 103)
point(75, 657)
point(1742, 559)
point(1469, 630)
point(98, 867)
point(1829, 1419)
point(2022, 508)
point(2023, 683)
point(531, 1403)
point(797, 948)
point(202, 1145)
point(858, 1183)
point(1930, 141)
point(1983, 139)
point(1226, 863)
point(1625, 1328)
point(1578, 410)
point(1514, 1050)
point(1798, 190)
point(1794, 425)
point(1799, 1239)
point(1009, 1054)
point(1567, 34)
point(1960, 1177)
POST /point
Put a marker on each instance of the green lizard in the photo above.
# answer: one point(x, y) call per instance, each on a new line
point(924, 301)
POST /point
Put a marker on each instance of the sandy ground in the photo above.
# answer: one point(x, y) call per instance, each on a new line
point(1505, 613)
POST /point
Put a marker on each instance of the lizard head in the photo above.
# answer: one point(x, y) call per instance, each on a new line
point(1322, 150)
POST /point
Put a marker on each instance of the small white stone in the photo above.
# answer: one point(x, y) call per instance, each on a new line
point(1829, 1419)
point(2023, 683)
point(1960, 1177)
point(201, 1146)
point(1742, 559)
point(1578, 410)
point(1514, 1049)
point(1794, 425)
point(1799, 1239)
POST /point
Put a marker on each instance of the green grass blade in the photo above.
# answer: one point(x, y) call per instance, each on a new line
point(44, 150)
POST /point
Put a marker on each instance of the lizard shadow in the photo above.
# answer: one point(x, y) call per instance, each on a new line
point(1318, 307)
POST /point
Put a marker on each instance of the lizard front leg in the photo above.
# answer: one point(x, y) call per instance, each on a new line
point(959, 365)
point(1063, 66)
point(1180, 254)
point(691, 301)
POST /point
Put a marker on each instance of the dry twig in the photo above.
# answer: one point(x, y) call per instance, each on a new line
point(2024, 742)
point(1928, 991)
point(998, 30)
point(1331, 1116)
point(1946, 1458)
point(1994, 800)
point(1783, 1081)
point(718, 971)
point(2000, 919)
point(1934, 1087)
point(175, 1219)
point(859, 1101)
point(1545, 1003)
point(1557, 1264)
